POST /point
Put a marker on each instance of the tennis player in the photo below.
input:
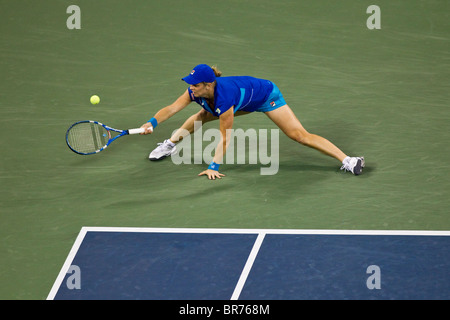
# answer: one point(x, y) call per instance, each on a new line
point(224, 98)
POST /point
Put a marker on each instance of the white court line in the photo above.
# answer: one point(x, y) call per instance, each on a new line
point(67, 264)
point(248, 266)
point(272, 231)
point(261, 234)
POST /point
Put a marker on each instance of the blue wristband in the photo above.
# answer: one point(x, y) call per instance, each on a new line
point(154, 122)
point(214, 166)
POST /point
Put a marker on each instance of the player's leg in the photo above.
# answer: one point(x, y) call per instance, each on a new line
point(286, 120)
point(189, 125)
point(168, 147)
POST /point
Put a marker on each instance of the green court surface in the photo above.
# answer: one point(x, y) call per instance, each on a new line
point(383, 94)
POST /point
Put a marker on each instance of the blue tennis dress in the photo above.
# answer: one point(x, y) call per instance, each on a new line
point(244, 93)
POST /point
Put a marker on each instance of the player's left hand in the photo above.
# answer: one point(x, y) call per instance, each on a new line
point(212, 174)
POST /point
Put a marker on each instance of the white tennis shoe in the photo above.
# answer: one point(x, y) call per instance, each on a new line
point(353, 164)
point(163, 150)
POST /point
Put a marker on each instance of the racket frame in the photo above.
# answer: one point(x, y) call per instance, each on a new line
point(110, 138)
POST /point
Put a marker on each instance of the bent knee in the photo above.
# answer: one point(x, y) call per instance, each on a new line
point(301, 136)
point(205, 116)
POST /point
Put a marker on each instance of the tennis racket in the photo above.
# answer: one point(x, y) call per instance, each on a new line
point(91, 137)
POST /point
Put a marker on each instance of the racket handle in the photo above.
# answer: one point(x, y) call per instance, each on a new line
point(138, 130)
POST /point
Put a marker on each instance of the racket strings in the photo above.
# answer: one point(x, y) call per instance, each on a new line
point(88, 137)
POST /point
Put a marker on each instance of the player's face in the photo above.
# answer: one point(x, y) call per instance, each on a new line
point(200, 89)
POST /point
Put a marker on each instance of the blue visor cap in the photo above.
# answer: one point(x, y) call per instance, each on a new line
point(201, 73)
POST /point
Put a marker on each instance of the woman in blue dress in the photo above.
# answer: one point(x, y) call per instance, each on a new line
point(223, 98)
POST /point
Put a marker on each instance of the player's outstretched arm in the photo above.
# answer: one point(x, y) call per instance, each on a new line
point(165, 113)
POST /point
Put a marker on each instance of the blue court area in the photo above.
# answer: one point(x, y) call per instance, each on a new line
point(220, 264)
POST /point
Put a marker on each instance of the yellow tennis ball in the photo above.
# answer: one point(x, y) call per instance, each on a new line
point(95, 99)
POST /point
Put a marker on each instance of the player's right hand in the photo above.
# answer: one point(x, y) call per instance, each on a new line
point(148, 128)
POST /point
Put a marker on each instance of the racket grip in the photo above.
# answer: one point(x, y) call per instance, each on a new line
point(137, 131)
